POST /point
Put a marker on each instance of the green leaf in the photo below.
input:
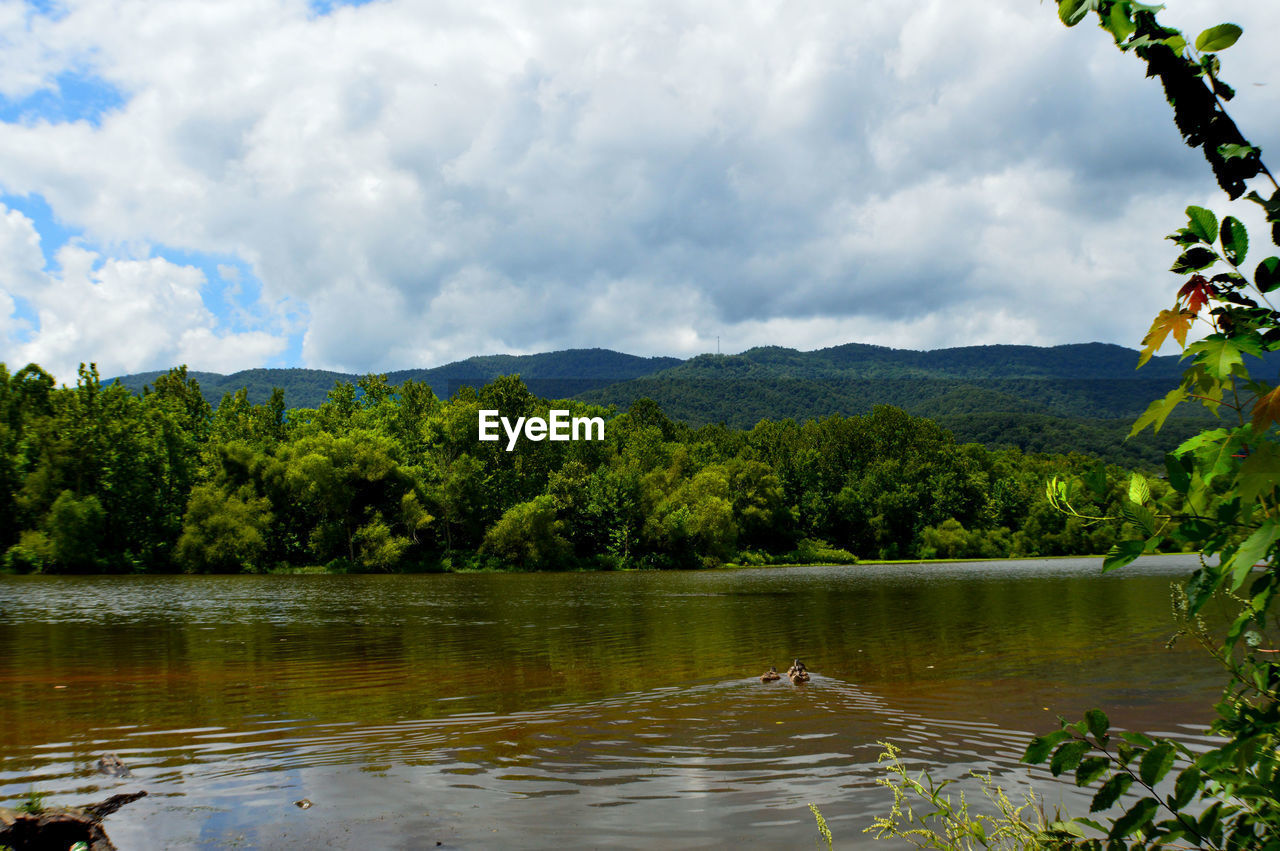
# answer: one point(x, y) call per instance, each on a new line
point(1068, 756)
point(1200, 587)
point(1178, 475)
point(1193, 531)
point(1171, 830)
point(1122, 553)
point(1209, 819)
point(1158, 411)
point(1185, 788)
point(1142, 517)
point(1070, 828)
point(1216, 38)
point(1136, 738)
point(1235, 240)
point(1072, 12)
point(1203, 223)
point(1137, 816)
point(1253, 550)
point(1156, 763)
point(1235, 152)
point(1088, 822)
point(1091, 768)
point(1213, 451)
point(1110, 792)
point(1221, 356)
point(1193, 260)
point(1139, 490)
point(1267, 275)
point(1038, 749)
point(1202, 439)
point(1237, 627)
point(1118, 23)
point(1260, 472)
point(1098, 723)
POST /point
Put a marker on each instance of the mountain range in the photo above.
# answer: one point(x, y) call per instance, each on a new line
point(1078, 397)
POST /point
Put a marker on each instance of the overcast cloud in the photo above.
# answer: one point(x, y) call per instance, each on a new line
point(400, 184)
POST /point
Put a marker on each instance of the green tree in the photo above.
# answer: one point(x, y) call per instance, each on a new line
point(224, 531)
point(348, 485)
point(75, 527)
point(529, 535)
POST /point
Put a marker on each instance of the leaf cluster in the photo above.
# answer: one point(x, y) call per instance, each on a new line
point(1221, 497)
point(1218, 799)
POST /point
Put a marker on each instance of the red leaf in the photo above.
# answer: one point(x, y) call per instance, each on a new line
point(1266, 410)
point(1196, 292)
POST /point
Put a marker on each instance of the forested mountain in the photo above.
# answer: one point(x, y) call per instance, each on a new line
point(551, 374)
point(1079, 397)
point(1090, 380)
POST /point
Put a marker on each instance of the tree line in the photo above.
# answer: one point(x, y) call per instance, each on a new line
point(95, 478)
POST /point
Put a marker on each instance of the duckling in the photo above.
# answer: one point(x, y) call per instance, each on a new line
point(770, 675)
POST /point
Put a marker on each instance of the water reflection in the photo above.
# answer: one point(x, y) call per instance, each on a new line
point(603, 709)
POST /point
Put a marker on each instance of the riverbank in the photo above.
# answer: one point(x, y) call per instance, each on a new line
point(471, 563)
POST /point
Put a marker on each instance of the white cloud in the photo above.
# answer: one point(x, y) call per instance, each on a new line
point(428, 182)
point(127, 315)
point(20, 258)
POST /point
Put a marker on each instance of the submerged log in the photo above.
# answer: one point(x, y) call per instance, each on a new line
point(62, 827)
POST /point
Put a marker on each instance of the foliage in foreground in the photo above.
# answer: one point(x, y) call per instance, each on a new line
point(951, 823)
point(1221, 500)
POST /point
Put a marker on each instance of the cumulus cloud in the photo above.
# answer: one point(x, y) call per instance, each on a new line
point(127, 315)
point(428, 182)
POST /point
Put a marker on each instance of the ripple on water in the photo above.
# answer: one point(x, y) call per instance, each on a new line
point(598, 710)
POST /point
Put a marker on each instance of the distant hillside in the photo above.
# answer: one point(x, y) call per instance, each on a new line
point(1078, 360)
point(303, 388)
point(1090, 380)
point(1065, 398)
point(553, 375)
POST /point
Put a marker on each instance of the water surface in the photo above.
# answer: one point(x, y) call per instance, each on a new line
point(530, 710)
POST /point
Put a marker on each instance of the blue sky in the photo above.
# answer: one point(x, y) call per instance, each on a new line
point(374, 186)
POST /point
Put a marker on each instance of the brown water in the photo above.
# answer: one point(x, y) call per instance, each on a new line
point(571, 710)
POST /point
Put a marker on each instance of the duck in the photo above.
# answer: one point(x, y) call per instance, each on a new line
point(797, 672)
point(112, 766)
point(770, 675)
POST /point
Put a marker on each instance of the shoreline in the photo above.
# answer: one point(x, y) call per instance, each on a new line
point(320, 570)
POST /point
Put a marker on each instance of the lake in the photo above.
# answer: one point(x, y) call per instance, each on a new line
point(597, 709)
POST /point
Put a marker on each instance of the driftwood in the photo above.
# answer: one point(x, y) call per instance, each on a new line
point(62, 827)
